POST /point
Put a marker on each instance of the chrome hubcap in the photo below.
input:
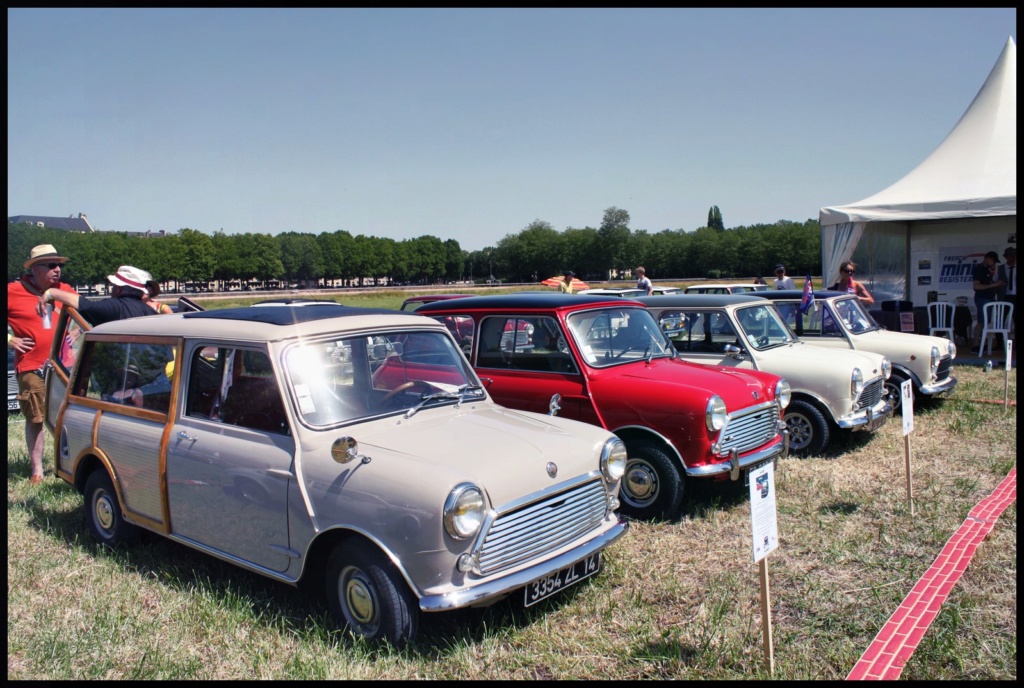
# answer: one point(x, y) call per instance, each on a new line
point(358, 597)
point(104, 512)
point(640, 484)
point(799, 431)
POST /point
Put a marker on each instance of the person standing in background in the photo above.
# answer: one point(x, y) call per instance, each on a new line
point(565, 286)
point(783, 281)
point(153, 291)
point(1008, 275)
point(986, 290)
point(642, 282)
point(31, 339)
point(125, 298)
point(851, 286)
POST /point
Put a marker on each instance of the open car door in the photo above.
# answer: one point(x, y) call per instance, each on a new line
point(67, 343)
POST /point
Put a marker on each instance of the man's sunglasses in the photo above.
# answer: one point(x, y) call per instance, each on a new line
point(51, 266)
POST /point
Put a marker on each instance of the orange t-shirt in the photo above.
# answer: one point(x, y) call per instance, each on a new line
point(24, 321)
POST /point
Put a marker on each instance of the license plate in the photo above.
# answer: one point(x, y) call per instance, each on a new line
point(13, 405)
point(749, 469)
point(545, 587)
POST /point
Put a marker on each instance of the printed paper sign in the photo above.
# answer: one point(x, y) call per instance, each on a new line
point(1009, 353)
point(762, 511)
point(907, 404)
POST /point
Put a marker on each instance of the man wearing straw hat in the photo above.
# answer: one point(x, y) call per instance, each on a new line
point(31, 336)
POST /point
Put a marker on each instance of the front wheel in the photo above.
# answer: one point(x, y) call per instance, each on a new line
point(808, 429)
point(892, 388)
point(103, 515)
point(368, 597)
point(652, 486)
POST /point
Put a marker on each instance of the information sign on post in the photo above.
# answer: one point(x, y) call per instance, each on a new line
point(1006, 374)
point(765, 533)
point(907, 404)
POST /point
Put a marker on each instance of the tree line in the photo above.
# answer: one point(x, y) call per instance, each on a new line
point(536, 252)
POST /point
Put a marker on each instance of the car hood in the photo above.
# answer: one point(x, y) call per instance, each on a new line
point(505, 452)
point(900, 346)
point(804, 361)
point(738, 388)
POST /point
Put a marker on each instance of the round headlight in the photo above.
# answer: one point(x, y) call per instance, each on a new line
point(783, 393)
point(464, 511)
point(886, 368)
point(952, 351)
point(715, 414)
point(935, 359)
point(856, 382)
point(613, 459)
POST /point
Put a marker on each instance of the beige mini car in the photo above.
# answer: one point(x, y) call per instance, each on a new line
point(352, 447)
point(838, 320)
point(832, 390)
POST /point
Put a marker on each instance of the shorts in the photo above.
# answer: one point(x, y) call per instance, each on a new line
point(31, 396)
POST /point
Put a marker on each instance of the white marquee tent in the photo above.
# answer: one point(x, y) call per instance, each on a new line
point(926, 232)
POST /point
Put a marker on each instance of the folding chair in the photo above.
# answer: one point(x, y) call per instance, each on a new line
point(940, 318)
point(997, 319)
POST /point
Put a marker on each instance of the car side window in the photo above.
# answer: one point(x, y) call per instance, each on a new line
point(130, 374)
point(235, 387)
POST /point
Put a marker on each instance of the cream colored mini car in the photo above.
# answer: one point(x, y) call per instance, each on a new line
point(353, 447)
point(838, 320)
point(832, 389)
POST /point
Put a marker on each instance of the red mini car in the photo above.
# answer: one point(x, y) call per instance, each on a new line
point(605, 361)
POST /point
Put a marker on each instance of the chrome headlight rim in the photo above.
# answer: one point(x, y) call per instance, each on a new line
point(464, 511)
point(952, 351)
point(886, 368)
point(936, 357)
point(613, 459)
point(783, 393)
point(856, 383)
point(715, 413)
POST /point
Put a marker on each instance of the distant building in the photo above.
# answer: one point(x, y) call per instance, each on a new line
point(70, 223)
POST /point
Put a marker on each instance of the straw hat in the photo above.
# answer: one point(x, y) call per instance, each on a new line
point(44, 253)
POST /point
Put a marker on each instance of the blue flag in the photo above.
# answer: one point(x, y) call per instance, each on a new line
point(807, 300)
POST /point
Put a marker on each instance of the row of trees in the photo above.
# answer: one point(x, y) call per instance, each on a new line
point(536, 252)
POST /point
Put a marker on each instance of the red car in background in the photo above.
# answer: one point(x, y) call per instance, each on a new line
point(605, 361)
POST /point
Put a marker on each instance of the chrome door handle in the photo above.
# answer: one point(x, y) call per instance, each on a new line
point(185, 436)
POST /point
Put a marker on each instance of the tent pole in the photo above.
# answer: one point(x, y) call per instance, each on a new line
point(906, 267)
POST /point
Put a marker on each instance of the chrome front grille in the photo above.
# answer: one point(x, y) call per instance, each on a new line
point(945, 365)
point(871, 394)
point(750, 428)
point(535, 529)
point(12, 384)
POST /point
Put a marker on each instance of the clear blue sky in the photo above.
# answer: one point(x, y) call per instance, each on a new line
point(469, 124)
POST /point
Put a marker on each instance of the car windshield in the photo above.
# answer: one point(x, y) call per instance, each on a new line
point(851, 313)
point(342, 380)
point(608, 336)
point(763, 327)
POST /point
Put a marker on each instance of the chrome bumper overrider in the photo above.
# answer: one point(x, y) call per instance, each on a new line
point(735, 464)
point(944, 387)
point(868, 419)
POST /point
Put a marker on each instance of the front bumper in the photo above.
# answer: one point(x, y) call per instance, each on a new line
point(939, 388)
point(867, 420)
point(502, 586)
point(735, 464)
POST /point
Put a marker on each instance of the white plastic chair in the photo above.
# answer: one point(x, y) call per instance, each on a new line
point(998, 316)
point(940, 318)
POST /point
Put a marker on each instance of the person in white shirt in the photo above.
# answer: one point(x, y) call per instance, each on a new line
point(782, 281)
point(643, 282)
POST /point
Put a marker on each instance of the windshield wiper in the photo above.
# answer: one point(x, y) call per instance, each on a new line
point(459, 395)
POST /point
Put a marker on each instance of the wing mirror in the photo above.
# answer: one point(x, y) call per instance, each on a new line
point(733, 350)
point(553, 405)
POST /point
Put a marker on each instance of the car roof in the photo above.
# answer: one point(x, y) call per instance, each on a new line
point(528, 300)
point(265, 323)
point(430, 298)
point(613, 291)
point(697, 300)
point(790, 294)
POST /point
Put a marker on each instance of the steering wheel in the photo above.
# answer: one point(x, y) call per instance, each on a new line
point(401, 388)
point(762, 341)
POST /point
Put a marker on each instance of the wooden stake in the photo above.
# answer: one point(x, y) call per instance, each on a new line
point(910, 484)
point(766, 616)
